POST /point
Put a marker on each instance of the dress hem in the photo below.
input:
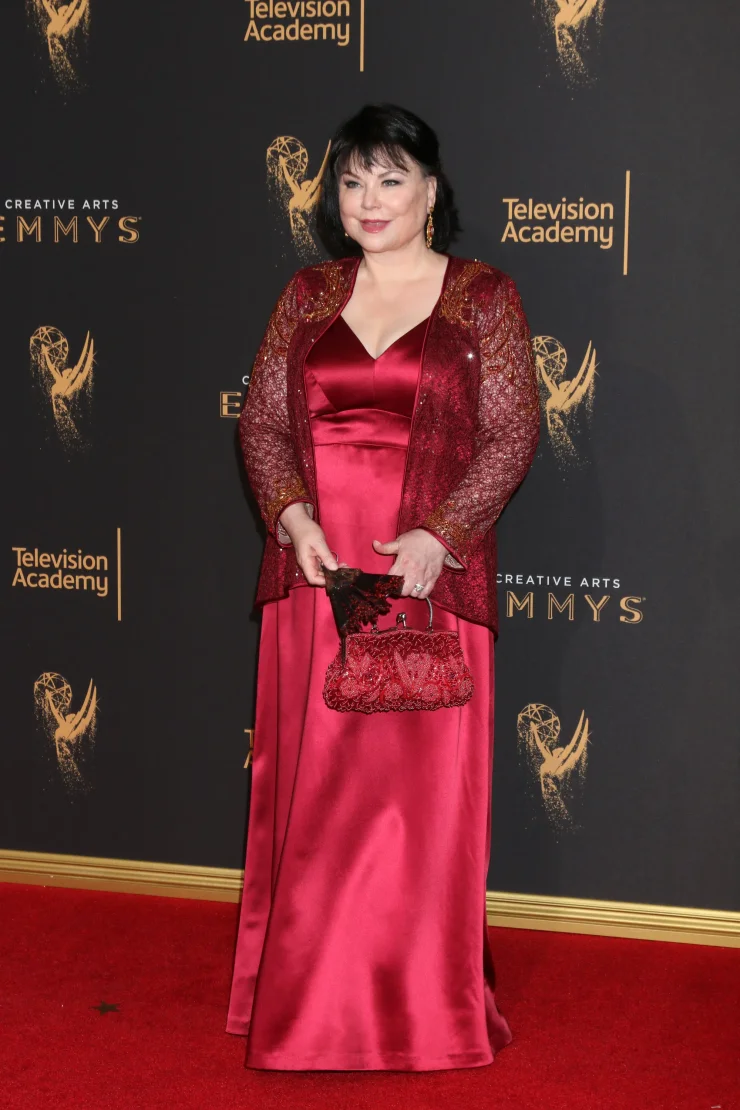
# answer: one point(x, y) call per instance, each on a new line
point(361, 1061)
point(383, 1061)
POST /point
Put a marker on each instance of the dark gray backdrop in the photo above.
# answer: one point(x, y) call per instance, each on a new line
point(173, 118)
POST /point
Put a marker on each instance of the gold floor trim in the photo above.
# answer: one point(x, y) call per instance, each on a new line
point(511, 911)
point(640, 920)
point(131, 876)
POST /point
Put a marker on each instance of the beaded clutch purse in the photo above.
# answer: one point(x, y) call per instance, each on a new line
point(393, 668)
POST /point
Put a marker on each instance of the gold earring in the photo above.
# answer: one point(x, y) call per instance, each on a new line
point(430, 229)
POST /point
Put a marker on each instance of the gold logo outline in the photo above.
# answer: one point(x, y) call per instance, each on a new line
point(564, 398)
point(71, 733)
point(574, 23)
point(64, 385)
point(65, 27)
point(286, 160)
point(556, 767)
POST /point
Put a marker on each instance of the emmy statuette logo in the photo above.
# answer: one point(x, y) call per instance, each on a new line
point(574, 24)
point(65, 385)
point(554, 765)
point(65, 27)
point(297, 194)
point(250, 754)
point(564, 399)
point(72, 733)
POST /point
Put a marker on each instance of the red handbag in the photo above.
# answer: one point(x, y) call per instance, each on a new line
point(395, 668)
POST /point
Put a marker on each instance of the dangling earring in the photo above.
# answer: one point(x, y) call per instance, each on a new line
point(430, 228)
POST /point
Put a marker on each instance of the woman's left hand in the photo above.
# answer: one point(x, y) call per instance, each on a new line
point(419, 558)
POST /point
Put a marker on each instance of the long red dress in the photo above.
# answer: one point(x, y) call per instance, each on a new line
point(362, 938)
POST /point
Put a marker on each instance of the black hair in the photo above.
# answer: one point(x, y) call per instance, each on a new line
point(383, 133)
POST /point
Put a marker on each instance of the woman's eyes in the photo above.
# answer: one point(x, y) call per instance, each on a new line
point(388, 181)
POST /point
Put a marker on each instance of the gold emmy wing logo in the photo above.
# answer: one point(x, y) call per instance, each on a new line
point(553, 764)
point(572, 21)
point(287, 165)
point(563, 398)
point(65, 385)
point(65, 27)
point(71, 733)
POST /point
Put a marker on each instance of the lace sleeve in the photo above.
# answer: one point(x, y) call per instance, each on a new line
point(508, 428)
point(264, 428)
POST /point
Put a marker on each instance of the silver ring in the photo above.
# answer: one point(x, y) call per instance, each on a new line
point(417, 587)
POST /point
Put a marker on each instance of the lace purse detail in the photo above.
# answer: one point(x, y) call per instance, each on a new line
point(393, 668)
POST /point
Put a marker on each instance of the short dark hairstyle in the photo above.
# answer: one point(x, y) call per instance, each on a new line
point(382, 133)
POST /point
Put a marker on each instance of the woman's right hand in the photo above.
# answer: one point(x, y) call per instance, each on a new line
point(309, 543)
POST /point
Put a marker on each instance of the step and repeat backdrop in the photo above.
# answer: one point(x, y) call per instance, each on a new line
point(158, 188)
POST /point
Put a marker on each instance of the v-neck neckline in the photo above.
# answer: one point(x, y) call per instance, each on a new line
point(426, 320)
point(377, 358)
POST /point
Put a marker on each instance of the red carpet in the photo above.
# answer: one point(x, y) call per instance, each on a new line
point(599, 1024)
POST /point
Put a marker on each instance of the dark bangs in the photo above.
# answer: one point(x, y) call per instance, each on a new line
point(368, 155)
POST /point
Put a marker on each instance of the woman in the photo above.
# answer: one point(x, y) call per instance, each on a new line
point(391, 414)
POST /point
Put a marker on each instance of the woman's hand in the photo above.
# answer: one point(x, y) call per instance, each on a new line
point(309, 542)
point(419, 558)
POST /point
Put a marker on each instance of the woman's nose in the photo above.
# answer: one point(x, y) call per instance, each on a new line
point(370, 199)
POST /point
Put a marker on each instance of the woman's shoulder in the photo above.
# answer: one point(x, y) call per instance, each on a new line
point(478, 276)
point(476, 292)
point(320, 275)
point(317, 289)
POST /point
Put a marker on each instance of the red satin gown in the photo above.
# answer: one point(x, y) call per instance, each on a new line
point(362, 939)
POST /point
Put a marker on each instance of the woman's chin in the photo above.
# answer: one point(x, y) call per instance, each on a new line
point(376, 244)
point(381, 243)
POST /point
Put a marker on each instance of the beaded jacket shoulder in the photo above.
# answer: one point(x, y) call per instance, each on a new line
point(485, 301)
point(313, 293)
point(472, 292)
point(321, 288)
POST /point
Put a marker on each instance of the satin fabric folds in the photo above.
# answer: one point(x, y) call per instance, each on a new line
point(362, 939)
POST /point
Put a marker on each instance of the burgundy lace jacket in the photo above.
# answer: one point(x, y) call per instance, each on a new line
point(474, 429)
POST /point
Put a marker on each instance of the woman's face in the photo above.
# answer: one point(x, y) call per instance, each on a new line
point(383, 207)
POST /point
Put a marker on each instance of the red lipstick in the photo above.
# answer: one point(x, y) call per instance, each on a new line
point(374, 225)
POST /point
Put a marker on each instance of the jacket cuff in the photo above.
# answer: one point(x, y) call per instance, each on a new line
point(281, 535)
point(452, 558)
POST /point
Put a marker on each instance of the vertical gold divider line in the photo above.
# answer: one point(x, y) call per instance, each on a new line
point(362, 36)
point(118, 568)
point(626, 221)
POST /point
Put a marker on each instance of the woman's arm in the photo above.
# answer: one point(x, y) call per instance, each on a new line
point(264, 428)
point(269, 454)
point(507, 432)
